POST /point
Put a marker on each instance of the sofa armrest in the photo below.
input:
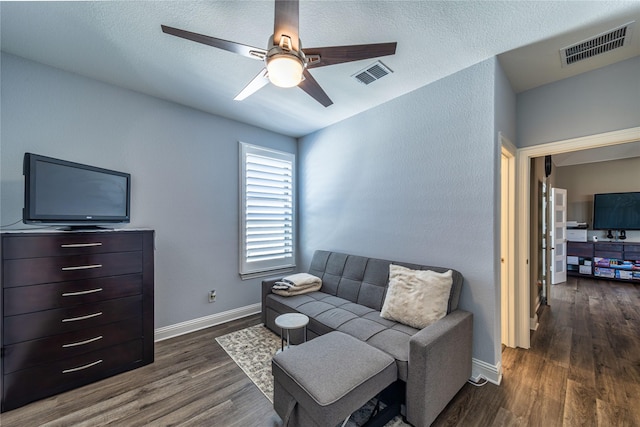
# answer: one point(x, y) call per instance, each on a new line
point(439, 365)
point(266, 290)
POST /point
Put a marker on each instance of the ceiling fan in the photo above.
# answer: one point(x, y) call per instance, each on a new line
point(286, 64)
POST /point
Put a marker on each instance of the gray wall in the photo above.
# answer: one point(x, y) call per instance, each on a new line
point(415, 179)
point(184, 167)
point(599, 101)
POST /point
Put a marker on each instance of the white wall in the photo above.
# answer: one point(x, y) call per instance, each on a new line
point(599, 101)
point(184, 167)
point(415, 180)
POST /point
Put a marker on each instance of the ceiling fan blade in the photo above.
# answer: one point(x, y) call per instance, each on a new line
point(286, 22)
point(339, 54)
point(254, 85)
point(242, 49)
point(311, 86)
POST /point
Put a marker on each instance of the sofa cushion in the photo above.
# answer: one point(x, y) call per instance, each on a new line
point(293, 301)
point(416, 298)
point(395, 343)
point(363, 329)
point(357, 309)
point(335, 317)
point(314, 308)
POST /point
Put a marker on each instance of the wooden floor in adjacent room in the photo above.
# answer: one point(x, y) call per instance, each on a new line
point(583, 369)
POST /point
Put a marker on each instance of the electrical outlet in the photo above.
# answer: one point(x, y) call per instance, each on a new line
point(212, 296)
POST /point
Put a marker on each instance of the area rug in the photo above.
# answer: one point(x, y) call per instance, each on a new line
point(253, 348)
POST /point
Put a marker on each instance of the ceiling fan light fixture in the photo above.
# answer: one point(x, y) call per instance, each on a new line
point(285, 70)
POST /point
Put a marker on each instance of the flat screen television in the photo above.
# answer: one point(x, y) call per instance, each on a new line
point(616, 211)
point(62, 193)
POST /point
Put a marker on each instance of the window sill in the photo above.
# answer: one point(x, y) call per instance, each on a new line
point(265, 273)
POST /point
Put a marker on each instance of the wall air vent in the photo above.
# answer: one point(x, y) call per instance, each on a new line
point(373, 72)
point(605, 42)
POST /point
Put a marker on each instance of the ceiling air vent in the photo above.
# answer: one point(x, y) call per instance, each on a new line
point(373, 72)
point(601, 43)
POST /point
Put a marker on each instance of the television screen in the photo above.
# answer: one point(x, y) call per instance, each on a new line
point(67, 193)
point(616, 211)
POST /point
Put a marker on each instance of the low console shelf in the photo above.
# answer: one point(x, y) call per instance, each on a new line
point(77, 307)
point(604, 260)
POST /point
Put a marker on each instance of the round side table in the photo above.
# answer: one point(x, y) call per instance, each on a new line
point(288, 322)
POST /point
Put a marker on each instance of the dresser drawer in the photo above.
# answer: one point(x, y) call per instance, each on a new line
point(61, 244)
point(27, 299)
point(632, 251)
point(41, 324)
point(33, 271)
point(46, 350)
point(580, 249)
point(608, 254)
point(632, 256)
point(28, 385)
point(609, 247)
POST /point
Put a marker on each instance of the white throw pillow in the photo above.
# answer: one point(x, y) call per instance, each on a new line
point(416, 298)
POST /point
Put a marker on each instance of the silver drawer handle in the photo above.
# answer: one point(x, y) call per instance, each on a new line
point(75, 344)
point(88, 316)
point(73, 294)
point(81, 245)
point(82, 267)
point(80, 368)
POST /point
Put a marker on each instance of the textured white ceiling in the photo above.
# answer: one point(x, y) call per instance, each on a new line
point(121, 43)
point(539, 63)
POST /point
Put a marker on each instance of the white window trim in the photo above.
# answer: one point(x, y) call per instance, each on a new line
point(261, 268)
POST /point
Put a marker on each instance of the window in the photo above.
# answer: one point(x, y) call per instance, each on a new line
point(267, 209)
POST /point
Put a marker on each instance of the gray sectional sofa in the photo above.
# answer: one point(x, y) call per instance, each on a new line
point(434, 362)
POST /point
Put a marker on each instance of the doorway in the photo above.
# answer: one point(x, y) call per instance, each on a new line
point(522, 293)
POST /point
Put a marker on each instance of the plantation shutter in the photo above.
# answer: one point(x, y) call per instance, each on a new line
point(268, 209)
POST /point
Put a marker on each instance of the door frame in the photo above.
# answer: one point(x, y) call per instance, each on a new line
point(523, 159)
point(507, 231)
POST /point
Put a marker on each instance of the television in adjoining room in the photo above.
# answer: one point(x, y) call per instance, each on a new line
point(62, 193)
point(616, 211)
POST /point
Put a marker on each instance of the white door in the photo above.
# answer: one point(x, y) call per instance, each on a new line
point(558, 231)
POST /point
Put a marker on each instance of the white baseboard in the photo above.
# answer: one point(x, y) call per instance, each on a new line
point(480, 369)
point(533, 321)
point(171, 331)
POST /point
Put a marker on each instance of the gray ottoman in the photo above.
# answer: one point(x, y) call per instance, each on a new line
point(323, 381)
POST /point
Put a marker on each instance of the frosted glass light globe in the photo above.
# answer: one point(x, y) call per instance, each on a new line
point(285, 70)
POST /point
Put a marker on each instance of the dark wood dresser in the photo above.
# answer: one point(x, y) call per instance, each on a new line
point(77, 307)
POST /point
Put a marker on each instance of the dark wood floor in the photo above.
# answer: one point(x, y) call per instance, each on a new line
point(583, 369)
